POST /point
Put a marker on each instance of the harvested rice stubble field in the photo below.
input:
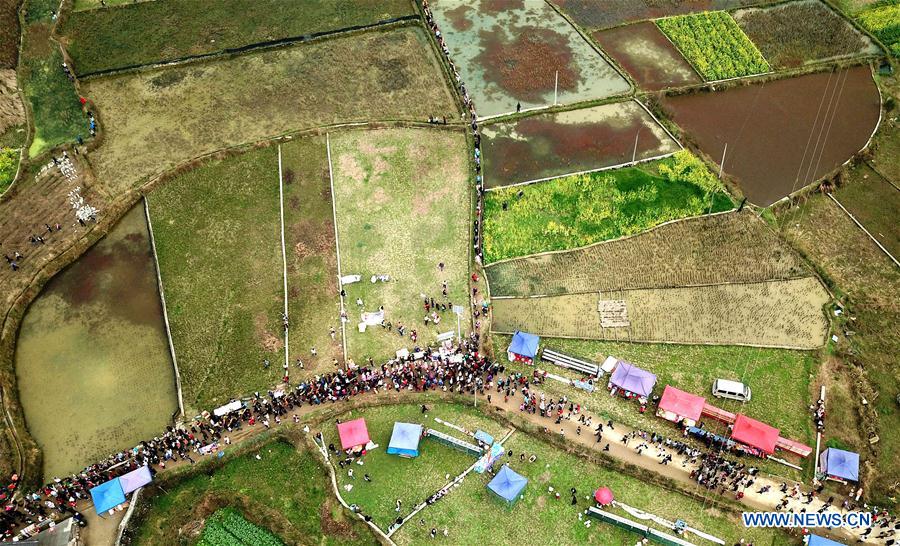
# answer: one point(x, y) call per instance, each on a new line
point(776, 313)
point(795, 33)
point(728, 247)
point(402, 203)
point(193, 109)
point(108, 39)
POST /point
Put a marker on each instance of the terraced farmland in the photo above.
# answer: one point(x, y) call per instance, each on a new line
point(784, 314)
point(728, 247)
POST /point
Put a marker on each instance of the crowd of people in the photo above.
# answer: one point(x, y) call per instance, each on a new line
point(459, 369)
point(476, 135)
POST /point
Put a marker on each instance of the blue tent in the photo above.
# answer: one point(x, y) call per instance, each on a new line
point(507, 484)
point(484, 437)
point(405, 440)
point(107, 496)
point(840, 464)
point(523, 345)
point(816, 540)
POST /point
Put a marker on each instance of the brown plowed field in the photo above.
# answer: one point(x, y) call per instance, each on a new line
point(782, 135)
point(647, 55)
point(609, 13)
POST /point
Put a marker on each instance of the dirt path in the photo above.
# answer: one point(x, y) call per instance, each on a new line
point(678, 469)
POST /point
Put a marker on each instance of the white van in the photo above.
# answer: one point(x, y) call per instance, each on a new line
point(723, 388)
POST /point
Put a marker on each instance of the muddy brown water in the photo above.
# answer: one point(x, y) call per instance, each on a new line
point(561, 143)
point(92, 360)
point(785, 134)
point(647, 55)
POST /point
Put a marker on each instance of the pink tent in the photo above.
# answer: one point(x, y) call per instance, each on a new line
point(135, 479)
point(754, 433)
point(682, 405)
point(353, 433)
point(603, 496)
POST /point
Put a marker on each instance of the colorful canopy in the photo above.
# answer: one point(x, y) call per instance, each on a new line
point(405, 440)
point(633, 379)
point(840, 464)
point(816, 540)
point(135, 479)
point(484, 437)
point(107, 496)
point(754, 433)
point(524, 344)
point(603, 496)
point(507, 484)
point(353, 433)
point(683, 404)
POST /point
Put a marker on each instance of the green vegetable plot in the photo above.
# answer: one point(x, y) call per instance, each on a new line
point(227, 527)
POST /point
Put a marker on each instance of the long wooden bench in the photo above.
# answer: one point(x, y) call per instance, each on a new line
point(570, 362)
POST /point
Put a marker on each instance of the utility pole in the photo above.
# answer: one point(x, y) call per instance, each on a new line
point(722, 164)
point(634, 153)
point(556, 89)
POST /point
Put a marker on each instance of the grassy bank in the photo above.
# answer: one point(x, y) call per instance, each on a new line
point(579, 210)
point(285, 490)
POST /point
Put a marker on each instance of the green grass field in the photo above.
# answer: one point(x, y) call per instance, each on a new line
point(579, 210)
point(411, 480)
point(218, 241)
point(196, 108)
point(770, 373)
point(470, 513)
point(55, 110)
point(155, 32)
point(313, 303)
point(402, 208)
point(9, 161)
point(285, 491)
point(714, 44)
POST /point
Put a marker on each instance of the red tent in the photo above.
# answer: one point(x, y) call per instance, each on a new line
point(353, 433)
point(603, 496)
point(754, 433)
point(683, 405)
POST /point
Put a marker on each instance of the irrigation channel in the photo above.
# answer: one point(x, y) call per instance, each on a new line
point(92, 361)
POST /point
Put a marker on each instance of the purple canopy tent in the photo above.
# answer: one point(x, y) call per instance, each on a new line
point(135, 479)
point(629, 377)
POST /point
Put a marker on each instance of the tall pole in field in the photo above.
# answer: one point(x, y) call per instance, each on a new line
point(722, 164)
point(634, 153)
point(556, 89)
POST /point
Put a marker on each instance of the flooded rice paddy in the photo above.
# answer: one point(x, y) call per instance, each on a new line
point(647, 55)
point(550, 145)
point(93, 365)
point(782, 135)
point(510, 51)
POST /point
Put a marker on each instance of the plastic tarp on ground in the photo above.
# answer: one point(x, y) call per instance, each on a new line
point(633, 379)
point(755, 433)
point(816, 540)
point(507, 484)
point(353, 433)
point(135, 479)
point(840, 464)
point(405, 440)
point(107, 496)
point(524, 344)
point(683, 404)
